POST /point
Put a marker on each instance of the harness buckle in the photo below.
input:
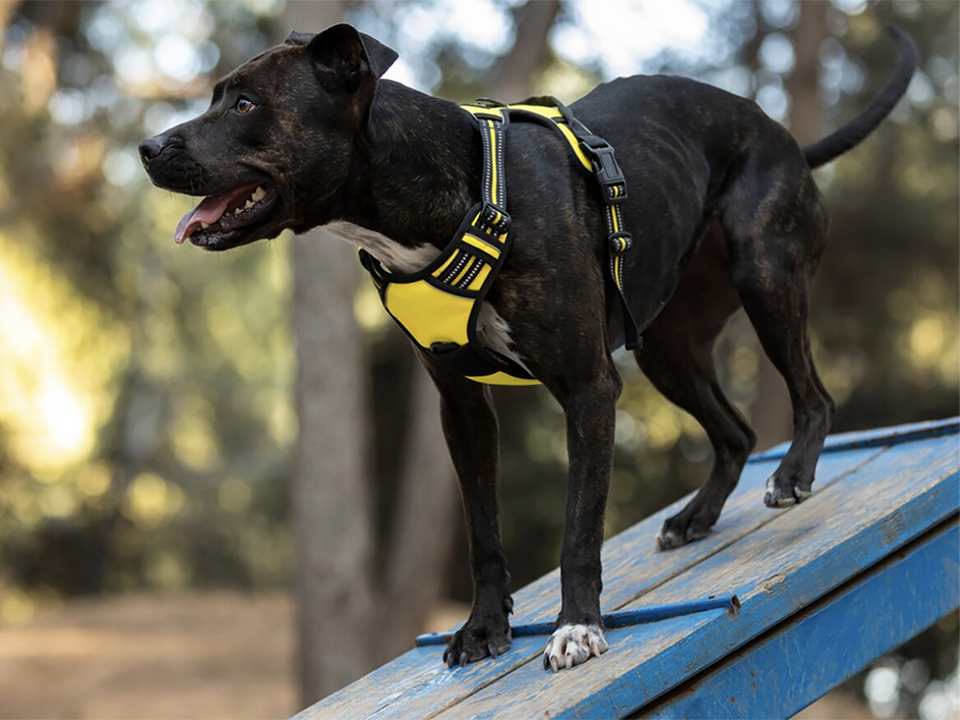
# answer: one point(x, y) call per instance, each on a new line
point(492, 219)
point(488, 103)
point(612, 183)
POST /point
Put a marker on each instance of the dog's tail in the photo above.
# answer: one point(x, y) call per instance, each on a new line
point(854, 132)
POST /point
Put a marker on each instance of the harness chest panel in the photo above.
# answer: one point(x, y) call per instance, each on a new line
point(439, 306)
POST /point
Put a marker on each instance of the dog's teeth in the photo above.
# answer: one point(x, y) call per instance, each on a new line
point(204, 225)
point(238, 211)
point(248, 204)
point(259, 194)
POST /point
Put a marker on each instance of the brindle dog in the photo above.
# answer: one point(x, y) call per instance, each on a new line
point(724, 214)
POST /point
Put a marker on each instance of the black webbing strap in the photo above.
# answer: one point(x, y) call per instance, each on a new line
point(493, 217)
point(613, 191)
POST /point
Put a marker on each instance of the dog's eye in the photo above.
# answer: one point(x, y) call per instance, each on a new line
point(244, 106)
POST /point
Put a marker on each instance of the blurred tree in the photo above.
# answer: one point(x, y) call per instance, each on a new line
point(514, 75)
point(886, 296)
point(332, 502)
point(146, 423)
point(120, 360)
point(770, 413)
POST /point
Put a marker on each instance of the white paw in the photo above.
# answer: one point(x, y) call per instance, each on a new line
point(573, 644)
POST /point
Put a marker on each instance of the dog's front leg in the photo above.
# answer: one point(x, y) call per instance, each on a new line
point(472, 434)
point(590, 408)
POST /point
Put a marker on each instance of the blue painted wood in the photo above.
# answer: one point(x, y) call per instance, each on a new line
point(868, 502)
point(616, 619)
point(418, 684)
point(775, 571)
point(885, 437)
point(814, 651)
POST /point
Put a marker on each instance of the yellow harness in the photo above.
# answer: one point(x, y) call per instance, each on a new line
point(438, 306)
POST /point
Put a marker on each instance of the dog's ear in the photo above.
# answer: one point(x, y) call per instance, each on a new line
point(299, 38)
point(346, 57)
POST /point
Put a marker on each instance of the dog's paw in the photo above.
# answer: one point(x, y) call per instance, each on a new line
point(477, 640)
point(780, 494)
point(678, 531)
point(573, 644)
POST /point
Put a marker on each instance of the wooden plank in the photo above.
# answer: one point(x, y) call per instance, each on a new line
point(632, 565)
point(776, 570)
point(418, 685)
point(801, 660)
point(882, 437)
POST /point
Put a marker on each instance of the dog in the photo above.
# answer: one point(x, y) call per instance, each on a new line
point(724, 214)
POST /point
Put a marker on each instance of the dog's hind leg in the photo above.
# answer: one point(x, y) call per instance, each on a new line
point(677, 357)
point(472, 433)
point(776, 222)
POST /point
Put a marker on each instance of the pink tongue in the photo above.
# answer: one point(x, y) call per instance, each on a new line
point(208, 211)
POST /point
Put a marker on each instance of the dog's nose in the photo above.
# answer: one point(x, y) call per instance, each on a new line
point(150, 149)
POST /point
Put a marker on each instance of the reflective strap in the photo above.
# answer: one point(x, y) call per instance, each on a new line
point(552, 113)
point(479, 245)
point(437, 307)
point(613, 191)
point(596, 155)
point(493, 218)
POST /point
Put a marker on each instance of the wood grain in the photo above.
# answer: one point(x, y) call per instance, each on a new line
point(869, 500)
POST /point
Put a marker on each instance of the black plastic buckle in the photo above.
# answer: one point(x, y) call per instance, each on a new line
point(620, 243)
point(608, 172)
point(489, 103)
point(493, 218)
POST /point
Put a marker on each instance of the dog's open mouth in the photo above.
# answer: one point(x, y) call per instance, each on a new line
point(217, 221)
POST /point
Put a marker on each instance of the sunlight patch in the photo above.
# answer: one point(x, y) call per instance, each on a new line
point(59, 355)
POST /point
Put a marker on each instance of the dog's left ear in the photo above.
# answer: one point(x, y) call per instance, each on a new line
point(346, 57)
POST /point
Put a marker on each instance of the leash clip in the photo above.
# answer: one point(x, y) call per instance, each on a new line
point(607, 169)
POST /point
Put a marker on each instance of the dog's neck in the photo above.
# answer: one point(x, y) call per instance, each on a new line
point(418, 171)
point(416, 164)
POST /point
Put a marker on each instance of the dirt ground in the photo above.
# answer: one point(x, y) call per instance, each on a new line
point(192, 656)
point(202, 656)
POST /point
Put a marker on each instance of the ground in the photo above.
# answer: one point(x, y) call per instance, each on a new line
point(217, 655)
point(191, 656)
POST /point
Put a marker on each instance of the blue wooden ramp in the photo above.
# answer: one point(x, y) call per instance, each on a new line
point(869, 561)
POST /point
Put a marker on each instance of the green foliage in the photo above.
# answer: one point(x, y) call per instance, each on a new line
point(145, 434)
point(147, 416)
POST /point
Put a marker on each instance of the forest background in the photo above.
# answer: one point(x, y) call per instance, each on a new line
point(172, 421)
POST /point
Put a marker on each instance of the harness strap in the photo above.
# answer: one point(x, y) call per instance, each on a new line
point(438, 307)
point(493, 217)
point(613, 191)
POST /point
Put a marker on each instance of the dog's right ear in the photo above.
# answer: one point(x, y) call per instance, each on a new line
point(345, 57)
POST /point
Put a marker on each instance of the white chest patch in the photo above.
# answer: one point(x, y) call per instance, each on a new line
point(493, 330)
point(392, 255)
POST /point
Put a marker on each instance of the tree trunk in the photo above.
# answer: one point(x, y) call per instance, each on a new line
point(806, 110)
point(419, 548)
point(530, 55)
point(330, 494)
point(771, 413)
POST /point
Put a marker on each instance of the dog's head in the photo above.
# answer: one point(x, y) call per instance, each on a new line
point(273, 150)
